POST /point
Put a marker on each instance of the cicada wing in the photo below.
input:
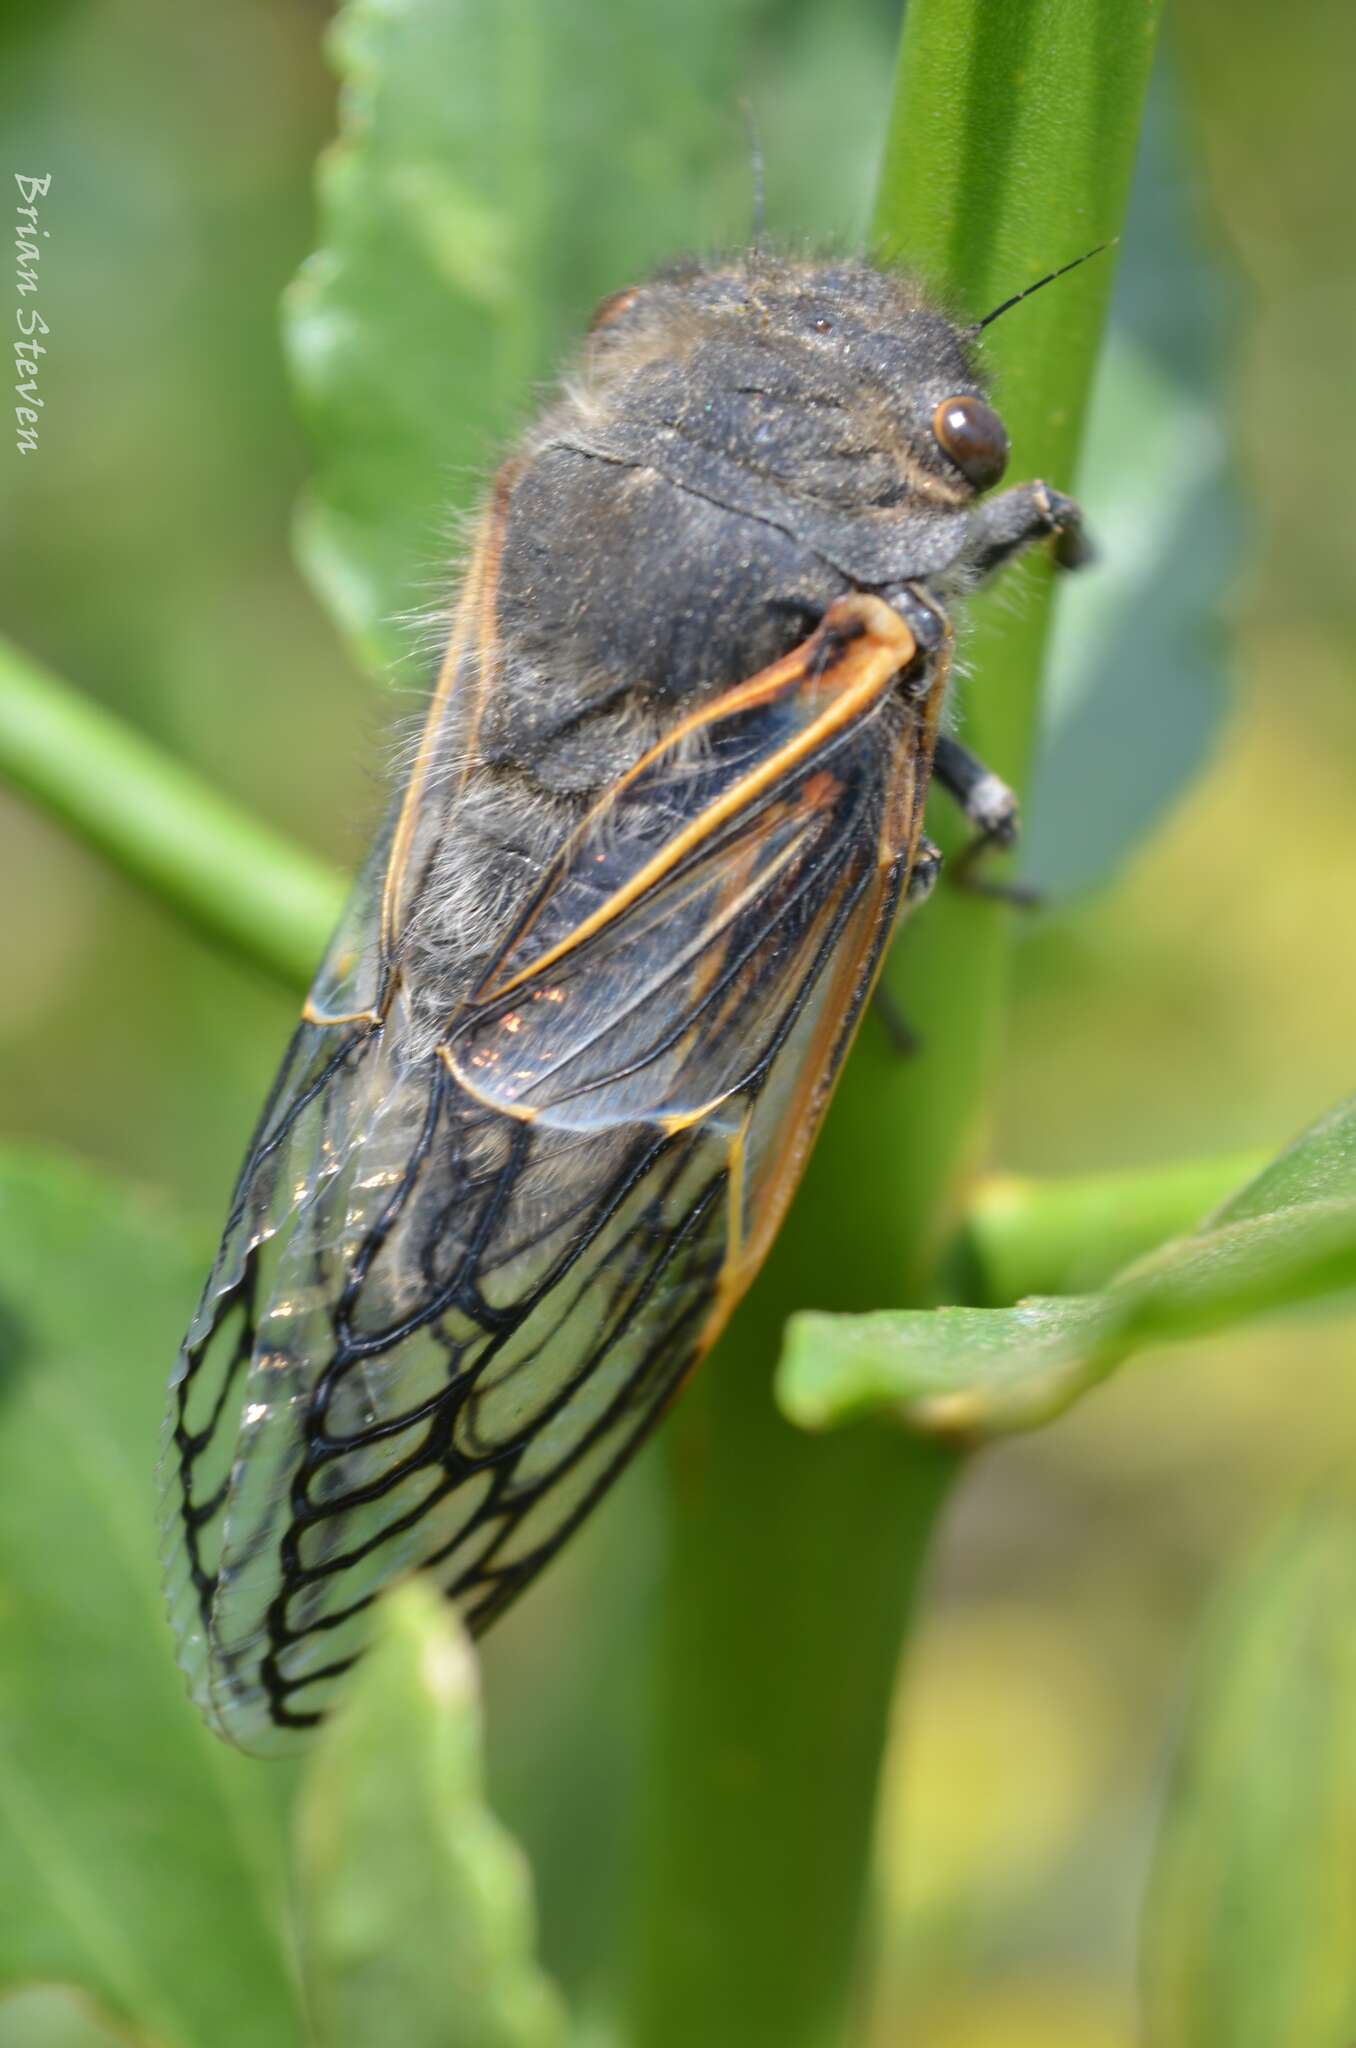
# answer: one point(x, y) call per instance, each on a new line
point(321, 1115)
point(337, 1124)
point(651, 975)
point(438, 1359)
point(456, 1292)
point(288, 1171)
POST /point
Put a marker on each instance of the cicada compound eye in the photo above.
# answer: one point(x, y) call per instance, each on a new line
point(971, 433)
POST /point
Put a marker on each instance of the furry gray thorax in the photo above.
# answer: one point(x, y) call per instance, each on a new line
point(736, 447)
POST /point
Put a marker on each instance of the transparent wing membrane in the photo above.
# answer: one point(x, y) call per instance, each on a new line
point(459, 1283)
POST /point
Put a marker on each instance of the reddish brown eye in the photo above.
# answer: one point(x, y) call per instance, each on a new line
point(971, 433)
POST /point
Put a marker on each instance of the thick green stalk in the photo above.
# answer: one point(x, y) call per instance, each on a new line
point(157, 822)
point(793, 1561)
point(1009, 154)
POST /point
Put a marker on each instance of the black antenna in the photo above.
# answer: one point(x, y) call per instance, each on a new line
point(755, 143)
point(1041, 283)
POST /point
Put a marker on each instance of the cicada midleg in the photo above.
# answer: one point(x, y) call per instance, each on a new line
point(564, 1062)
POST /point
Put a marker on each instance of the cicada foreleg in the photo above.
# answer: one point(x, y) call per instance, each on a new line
point(991, 808)
point(1003, 527)
point(1007, 525)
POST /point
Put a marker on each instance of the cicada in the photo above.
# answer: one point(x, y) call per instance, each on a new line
point(562, 1067)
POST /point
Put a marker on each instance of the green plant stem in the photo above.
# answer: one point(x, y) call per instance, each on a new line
point(792, 1562)
point(1009, 153)
point(234, 881)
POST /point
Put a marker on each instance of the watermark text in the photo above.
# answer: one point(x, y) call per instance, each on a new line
point(32, 328)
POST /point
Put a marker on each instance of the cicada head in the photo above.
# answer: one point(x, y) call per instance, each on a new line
point(840, 382)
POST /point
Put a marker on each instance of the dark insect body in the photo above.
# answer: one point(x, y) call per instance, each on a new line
point(564, 1062)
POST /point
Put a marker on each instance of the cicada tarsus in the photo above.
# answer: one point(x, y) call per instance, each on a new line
point(563, 1064)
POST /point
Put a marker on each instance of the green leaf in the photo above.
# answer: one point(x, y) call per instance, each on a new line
point(417, 1921)
point(1289, 1236)
point(1250, 1932)
point(1074, 1232)
point(499, 170)
point(53, 2016)
point(138, 1858)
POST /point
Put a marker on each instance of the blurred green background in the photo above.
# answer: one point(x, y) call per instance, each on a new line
point(1199, 999)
